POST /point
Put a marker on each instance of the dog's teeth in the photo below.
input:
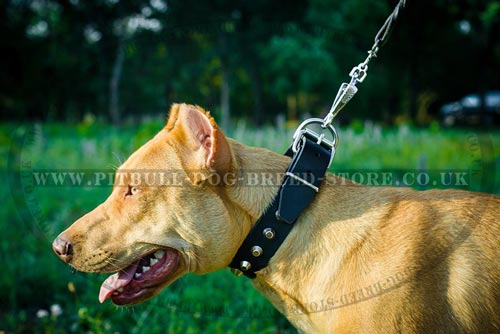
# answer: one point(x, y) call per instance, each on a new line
point(137, 275)
point(159, 254)
point(120, 290)
point(153, 261)
point(145, 268)
point(115, 293)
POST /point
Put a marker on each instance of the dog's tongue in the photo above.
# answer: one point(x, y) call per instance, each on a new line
point(116, 281)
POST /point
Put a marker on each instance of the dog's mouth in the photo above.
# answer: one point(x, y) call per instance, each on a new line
point(142, 279)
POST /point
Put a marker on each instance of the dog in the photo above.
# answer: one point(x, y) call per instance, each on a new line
point(358, 260)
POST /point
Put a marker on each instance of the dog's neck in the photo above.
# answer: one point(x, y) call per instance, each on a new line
point(260, 173)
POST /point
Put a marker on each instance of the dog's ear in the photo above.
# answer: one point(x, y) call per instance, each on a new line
point(205, 149)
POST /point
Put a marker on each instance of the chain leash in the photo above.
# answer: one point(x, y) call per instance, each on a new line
point(347, 90)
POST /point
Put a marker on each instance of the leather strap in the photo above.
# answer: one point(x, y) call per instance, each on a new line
point(303, 178)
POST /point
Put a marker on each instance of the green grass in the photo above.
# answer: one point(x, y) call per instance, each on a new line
point(33, 279)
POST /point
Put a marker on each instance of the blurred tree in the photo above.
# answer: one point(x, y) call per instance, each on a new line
point(348, 29)
point(65, 58)
point(233, 37)
point(68, 53)
point(111, 26)
point(300, 68)
point(259, 22)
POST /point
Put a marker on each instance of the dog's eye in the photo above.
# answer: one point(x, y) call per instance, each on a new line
point(132, 190)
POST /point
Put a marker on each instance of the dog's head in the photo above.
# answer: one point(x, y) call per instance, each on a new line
point(167, 214)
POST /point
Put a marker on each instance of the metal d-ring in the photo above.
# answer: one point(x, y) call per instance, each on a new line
point(302, 130)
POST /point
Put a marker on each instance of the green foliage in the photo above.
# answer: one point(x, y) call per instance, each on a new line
point(291, 58)
point(63, 56)
point(490, 15)
point(34, 283)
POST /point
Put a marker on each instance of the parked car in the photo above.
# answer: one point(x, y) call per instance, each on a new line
point(469, 110)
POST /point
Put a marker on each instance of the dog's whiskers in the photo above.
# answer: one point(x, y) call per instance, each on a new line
point(120, 162)
point(111, 261)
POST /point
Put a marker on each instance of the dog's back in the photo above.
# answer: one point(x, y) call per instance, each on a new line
point(395, 260)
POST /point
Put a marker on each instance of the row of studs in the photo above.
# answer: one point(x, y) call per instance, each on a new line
point(256, 252)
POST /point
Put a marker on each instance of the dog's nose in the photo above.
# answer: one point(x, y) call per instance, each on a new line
point(63, 248)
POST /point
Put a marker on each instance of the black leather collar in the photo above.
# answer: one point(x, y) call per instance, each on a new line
point(301, 183)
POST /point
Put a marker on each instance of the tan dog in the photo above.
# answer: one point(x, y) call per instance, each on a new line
point(359, 260)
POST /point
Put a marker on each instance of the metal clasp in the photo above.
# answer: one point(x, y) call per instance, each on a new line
point(320, 138)
point(348, 90)
point(344, 95)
